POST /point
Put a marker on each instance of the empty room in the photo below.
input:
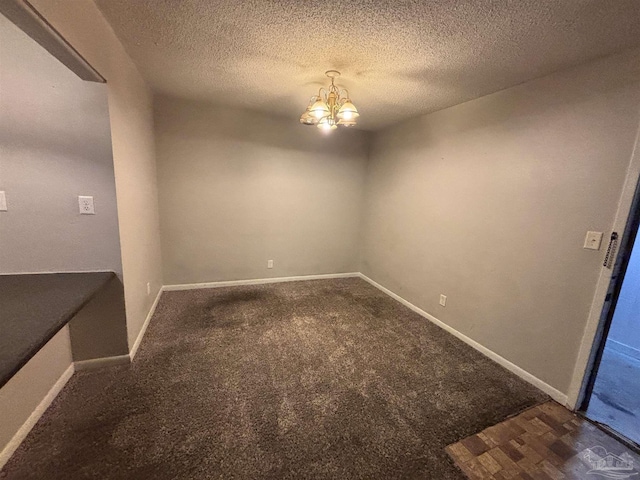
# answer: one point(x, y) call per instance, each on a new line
point(279, 239)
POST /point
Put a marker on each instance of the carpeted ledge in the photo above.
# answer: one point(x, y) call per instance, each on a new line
point(316, 379)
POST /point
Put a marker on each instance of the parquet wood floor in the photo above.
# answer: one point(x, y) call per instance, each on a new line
point(546, 442)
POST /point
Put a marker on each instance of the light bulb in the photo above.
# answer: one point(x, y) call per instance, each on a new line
point(327, 124)
point(319, 109)
point(348, 111)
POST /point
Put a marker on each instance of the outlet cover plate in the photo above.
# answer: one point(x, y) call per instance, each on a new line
point(85, 205)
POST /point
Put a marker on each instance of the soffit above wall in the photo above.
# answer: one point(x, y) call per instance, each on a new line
point(27, 18)
point(399, 58)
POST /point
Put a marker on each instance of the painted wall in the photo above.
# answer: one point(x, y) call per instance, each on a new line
point(55, 144)
point(131, 116)
point(488, 202)
point(239, 188)
point(27, 391)
point(624, 335)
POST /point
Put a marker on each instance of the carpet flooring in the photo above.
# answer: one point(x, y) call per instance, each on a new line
point(326, 379)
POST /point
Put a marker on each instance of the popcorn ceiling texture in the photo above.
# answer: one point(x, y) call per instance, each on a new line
point(399, 58)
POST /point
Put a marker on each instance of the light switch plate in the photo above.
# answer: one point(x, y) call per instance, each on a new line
point(3, 202)
point(592, 240)
point(443, 300)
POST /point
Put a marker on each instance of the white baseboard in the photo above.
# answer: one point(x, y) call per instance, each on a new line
point(143, 330)
point(231, 283)
point(26, 427)
point(24, 430)
point(554, 393)
point(257, 281)
point(96, 363)
point(528, 377)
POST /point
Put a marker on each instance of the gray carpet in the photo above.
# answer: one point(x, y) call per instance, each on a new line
point(317, 379)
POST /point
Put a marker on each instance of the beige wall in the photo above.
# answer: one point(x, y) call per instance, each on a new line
point(55, 144)
point(21, 395)
point(488, 203)
point(130, 109)
point(239, 188)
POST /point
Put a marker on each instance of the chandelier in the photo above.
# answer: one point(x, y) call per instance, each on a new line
point(331, 107)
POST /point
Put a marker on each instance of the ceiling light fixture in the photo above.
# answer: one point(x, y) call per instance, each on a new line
point(331, 108)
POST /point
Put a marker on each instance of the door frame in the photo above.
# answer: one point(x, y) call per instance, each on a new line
point(609, 282)
point(619, 271)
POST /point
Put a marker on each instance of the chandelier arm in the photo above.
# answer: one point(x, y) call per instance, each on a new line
point(311, 101)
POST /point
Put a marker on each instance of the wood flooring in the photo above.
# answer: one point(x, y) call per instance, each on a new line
point(546, 442)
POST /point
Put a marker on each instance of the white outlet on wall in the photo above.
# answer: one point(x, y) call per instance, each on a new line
point(148, 288)
point(443, 300)
point(3, 202)
point(269, 263)
point(85, 204)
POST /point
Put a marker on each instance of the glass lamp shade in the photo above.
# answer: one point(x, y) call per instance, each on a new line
point(327, 124)
point(308, 119)
point(346, 123)
point(348, 111)
point(319, 109)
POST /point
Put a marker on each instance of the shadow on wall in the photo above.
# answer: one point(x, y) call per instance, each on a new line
point(206, 120)
point(520, 104)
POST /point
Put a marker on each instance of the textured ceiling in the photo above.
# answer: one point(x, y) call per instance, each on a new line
point(399, 58)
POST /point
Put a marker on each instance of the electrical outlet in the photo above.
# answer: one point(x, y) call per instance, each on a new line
point(269, 263)
point(148, 288)
point(3, 202)
point(443, 300)
point(85, 204)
